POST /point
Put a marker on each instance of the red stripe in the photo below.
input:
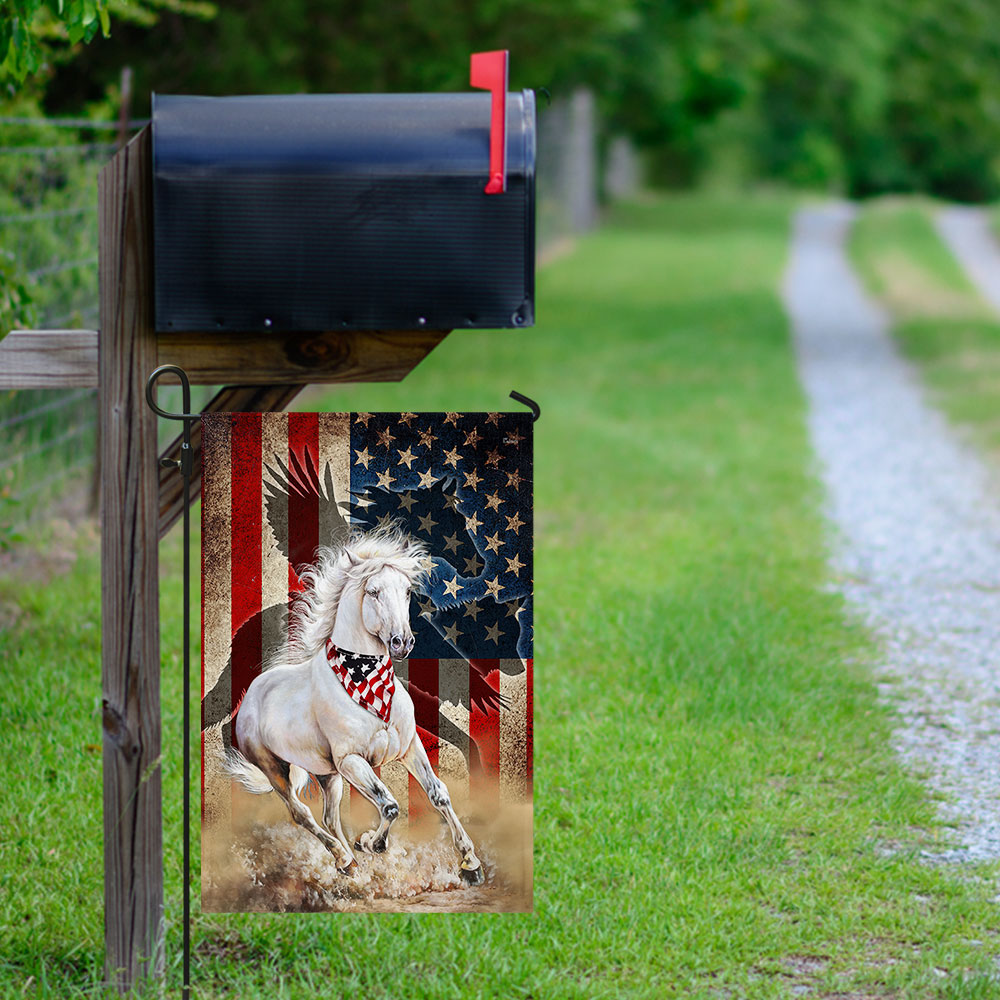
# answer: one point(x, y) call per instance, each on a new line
point(484, 728)
point(530, 741)
point(424, 675)
point(246, 551)
point(303, 510)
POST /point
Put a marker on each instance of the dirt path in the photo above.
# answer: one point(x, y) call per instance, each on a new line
point(916, 544)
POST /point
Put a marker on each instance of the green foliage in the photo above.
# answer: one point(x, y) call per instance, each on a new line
point(36, 33)
point(30, 27)
point(343, 46)
point(48, 220)
point(10, 533)
point(674, 67)
point(48, 217)
point(859, 96)
point(895, 95)
point(16, 304)
point(943, 114)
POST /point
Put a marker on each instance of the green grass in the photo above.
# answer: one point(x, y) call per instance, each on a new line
point(718, 812)
point(941, 322)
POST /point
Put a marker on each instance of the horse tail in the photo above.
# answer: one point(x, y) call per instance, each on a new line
point(251, 777)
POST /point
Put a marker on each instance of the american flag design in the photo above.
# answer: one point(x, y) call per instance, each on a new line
point(276, 486)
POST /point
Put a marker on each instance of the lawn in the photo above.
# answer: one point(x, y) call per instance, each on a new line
point(718, 812)
point(940, 321)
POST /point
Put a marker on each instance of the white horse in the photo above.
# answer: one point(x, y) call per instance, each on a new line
point(299, 716)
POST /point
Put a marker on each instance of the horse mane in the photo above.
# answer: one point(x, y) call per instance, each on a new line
point(360, 556)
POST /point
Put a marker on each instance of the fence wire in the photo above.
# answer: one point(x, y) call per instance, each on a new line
point(48, 229)
point(74, 124)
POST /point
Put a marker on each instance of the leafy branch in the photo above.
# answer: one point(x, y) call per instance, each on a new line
point(32, 32)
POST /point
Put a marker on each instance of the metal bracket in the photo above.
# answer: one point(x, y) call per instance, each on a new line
point(530, 403)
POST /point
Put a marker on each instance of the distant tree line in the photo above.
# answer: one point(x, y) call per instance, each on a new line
point(860, 96)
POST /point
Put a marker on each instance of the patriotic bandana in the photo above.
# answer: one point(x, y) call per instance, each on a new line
point(369, 680)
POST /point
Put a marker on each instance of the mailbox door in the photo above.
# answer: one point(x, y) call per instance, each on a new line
point(327, 212)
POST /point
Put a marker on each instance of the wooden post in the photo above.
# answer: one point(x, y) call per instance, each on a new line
point(130, 627)
point(124, 105)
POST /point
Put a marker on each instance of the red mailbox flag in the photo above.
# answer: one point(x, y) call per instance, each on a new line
point(488, 71)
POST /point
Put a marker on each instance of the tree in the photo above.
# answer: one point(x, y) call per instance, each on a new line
point(330, 46)
point(32, 28)
point(38, 33)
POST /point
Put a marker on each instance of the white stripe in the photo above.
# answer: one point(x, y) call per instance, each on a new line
point(274, 564)
point(514, 732)
point(453, 769)
point(217, 610)
point(334, 447)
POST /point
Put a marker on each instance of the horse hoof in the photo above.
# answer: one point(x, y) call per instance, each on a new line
point(472, 876)
point(378, 847)
point(350, 869)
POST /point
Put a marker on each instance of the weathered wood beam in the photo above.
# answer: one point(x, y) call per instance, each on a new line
point(58, 359)
point(270, 358)
point(48, 359)
point(233, 398)
point(130, 621)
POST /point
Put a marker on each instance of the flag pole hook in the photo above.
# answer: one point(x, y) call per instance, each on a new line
point(536, 410)
point(184, 464)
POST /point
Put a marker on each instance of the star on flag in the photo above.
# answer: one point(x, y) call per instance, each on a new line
point(515, 565)
point(456, 482)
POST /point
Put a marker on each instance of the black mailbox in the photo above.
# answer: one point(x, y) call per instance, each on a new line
point(355, 212)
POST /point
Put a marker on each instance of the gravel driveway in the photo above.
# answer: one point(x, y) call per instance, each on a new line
point(916, 545)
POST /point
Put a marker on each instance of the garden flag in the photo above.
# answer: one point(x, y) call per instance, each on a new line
point(367, 661)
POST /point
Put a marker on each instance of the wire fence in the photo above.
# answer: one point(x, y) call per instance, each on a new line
point(48, 229)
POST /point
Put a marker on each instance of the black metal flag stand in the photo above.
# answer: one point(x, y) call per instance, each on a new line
point(184, 464)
